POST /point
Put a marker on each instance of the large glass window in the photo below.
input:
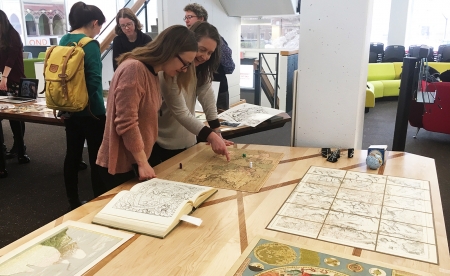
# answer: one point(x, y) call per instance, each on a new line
point(428, 23)
point(380, 21)
point(270, 32)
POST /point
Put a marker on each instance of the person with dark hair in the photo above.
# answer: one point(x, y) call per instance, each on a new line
point(11, 66)
point(129, 34)
point(177, 125)
point(85, 20)
point(195, 12)
point(132, 116)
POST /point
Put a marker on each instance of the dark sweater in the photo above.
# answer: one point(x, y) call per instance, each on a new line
point(13, 57)
point(121, 44)
point(93, 75)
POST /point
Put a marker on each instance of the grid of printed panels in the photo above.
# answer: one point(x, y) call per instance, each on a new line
point(387, 214)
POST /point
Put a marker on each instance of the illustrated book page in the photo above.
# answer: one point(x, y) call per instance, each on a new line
point(248, 114)
point(387, 214)
point(269, 256)
point(152, 207)
point(71, 248)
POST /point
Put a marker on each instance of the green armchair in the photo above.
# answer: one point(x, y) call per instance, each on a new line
point(28, 65)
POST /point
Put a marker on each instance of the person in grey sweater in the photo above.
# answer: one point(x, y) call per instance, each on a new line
point(178, 128)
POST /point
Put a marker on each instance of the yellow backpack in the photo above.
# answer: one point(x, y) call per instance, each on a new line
point(65, 83)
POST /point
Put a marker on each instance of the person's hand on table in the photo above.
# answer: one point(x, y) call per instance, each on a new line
point(146, 172)
point(3, 83)
point(218, 145)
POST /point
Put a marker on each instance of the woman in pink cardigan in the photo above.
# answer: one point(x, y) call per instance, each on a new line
point(134, 100)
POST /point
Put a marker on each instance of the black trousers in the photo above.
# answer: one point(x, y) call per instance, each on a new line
point(223, 100)
point(160, 154)
point(79, 129)
point(113, 180)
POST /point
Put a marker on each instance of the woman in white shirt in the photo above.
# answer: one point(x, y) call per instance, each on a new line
point(178, 128)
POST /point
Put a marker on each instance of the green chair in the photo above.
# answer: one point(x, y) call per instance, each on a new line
point(41, 55)
point(28, 65)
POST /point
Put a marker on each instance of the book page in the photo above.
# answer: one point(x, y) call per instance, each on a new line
point(157, 201)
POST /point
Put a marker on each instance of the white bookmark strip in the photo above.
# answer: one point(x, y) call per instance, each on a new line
point(191, 220)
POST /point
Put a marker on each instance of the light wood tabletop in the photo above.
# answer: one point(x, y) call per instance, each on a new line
point(231, 219)
point(46, 117)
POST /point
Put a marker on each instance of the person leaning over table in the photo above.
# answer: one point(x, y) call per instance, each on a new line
point(177, 125)
point(12, 68)
point(195, 12)
point(85, 20)
point(129, 34)
point(134, 100)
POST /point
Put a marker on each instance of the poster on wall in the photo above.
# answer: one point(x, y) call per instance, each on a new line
point(247, 77)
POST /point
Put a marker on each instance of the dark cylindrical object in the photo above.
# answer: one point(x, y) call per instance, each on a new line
point(351, 152)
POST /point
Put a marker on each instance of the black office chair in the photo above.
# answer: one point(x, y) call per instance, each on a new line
point(414, 51)
point(373, 57)
point(394, 53)
point(378, 49)
point(444, 56)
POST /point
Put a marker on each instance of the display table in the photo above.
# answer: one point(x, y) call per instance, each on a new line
point(231, 219)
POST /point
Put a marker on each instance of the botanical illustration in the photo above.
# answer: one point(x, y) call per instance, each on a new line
point(70, 249)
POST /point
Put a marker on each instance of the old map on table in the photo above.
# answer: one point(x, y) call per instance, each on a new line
point(386, 214)
point(269, 257)
point(209, 169)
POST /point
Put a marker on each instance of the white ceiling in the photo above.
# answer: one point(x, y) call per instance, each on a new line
point(259, 7)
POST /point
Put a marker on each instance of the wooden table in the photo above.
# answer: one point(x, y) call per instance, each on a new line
point(231, 219)
point(228, 132)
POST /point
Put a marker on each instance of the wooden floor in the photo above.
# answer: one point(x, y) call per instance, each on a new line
point(231, 219)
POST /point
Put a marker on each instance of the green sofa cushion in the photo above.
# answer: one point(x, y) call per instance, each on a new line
point(391, 88)
point(377, 88)
point(381, 71)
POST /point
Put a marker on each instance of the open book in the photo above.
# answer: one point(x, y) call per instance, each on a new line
point(153, 207)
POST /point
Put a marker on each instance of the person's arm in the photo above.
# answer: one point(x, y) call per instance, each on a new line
point(226, 59)
point(176, 103)
point(116, 51)
point(127, 97)
point(92, 67)
point(4, 80)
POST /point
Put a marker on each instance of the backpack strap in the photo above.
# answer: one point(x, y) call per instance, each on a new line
point(85, 40)
point(47, 54)
point(63, 74)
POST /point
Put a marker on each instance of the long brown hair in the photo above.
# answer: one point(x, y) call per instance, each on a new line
point(205, 71)
point(4, 29)
point(127, 13)
point(174, 40)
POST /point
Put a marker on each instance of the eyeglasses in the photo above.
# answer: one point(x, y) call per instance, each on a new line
point(185, 65)
point(188, 17)
point(128, 25)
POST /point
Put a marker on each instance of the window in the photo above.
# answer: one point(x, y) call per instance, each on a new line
point(380, 21)
point(31, 26)
point(44, 27)
point(58, 26)
point(428, 23)
point(270, 32)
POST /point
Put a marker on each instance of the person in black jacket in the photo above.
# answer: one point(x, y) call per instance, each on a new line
point(129, 34)
point(195, 12)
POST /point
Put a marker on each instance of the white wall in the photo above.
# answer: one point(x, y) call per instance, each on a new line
point(332, 69)
point(397, 22)
point(171, 13)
